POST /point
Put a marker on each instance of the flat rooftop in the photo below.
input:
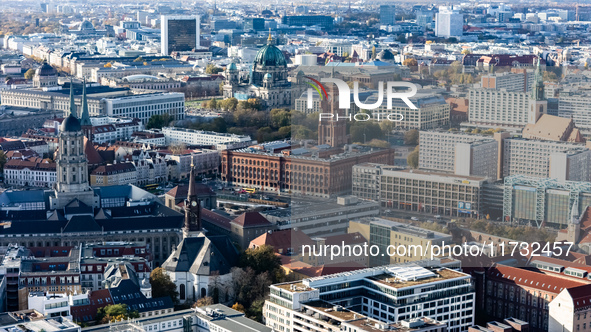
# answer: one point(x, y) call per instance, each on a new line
point(396, 282)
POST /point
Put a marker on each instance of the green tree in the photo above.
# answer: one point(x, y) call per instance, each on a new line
point(365, 131)
point(158, 121)
point(212, 69)
point(29, 74)
point(229, 104)
point(114, 313)
point(413, 158)
point(280, 117)
point(162, 285)
point(263, 259)
point(212, 104)
point(411, 137)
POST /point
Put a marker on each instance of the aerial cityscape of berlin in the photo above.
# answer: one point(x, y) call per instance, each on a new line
point(295, 166)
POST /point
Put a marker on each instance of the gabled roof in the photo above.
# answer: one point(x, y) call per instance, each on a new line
point(94, 158)
point(532, 279)
point(82, 224)
point(202, 255)
point(251, 219)
point(283, 240)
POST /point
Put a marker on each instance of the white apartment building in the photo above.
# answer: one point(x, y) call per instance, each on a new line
point(432, 111)
point(477, 158)
point(501, 108)
point(440, 151)
point(29, 173)
point(387, 294)
point(205, 161)
point(509, 81)
point(55, 304)
point(576, 107)
point(542, 159)
point(222, 141)
point(438, 148)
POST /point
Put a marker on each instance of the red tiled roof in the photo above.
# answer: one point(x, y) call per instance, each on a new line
point(581, 296)
point(251, 219)
point(94, 158)
point(531, 279)
point(283, 239)
point(327, 269)
point(216, 219)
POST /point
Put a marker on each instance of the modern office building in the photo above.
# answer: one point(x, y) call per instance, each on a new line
point(383, 233)
point(416, 190)
point(385, 294)
point(179, 33)
point(549, 201)
point(222, 141)
point(432, 111)
point(449, 23)
point(458, 152)
point(254, 23)
point(387, 14)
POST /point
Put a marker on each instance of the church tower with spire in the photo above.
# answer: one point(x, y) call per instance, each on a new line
point(192, 225)
point(538, 104)
point(71, 163)
point(85, 115)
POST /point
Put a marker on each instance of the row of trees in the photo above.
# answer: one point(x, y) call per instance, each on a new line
point(520, 233)
point(248, 119)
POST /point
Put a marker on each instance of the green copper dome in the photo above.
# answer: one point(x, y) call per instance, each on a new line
point(270, 55)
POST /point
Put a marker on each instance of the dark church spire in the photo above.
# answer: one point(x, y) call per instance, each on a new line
point(192, 208)
point(85, 116)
